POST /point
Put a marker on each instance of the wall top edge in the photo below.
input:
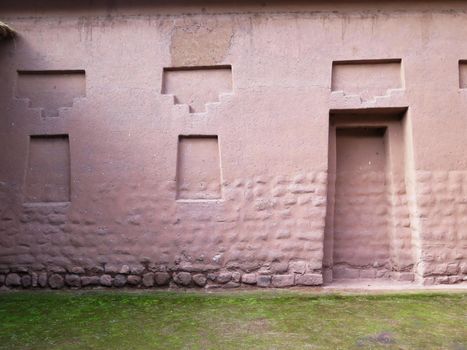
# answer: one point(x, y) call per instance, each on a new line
point(37, 6)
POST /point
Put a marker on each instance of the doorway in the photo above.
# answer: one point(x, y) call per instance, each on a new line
point(364, 238)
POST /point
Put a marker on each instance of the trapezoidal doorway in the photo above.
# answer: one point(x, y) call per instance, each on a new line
point(368, 233)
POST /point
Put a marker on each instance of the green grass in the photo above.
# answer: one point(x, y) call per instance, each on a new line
point(269, 320)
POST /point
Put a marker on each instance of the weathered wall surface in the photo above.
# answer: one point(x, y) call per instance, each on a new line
point(203, 144)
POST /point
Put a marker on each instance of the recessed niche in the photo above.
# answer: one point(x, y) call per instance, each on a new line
point(361, 235)
point(463, 74)
point(50, 90)
point(365, 237)
point(196, 86)
point(367, 78)
point(198, 168)
point(48, 171)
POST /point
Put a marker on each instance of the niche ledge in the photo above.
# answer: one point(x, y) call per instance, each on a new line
point(393, 98)
point(46, 204)
point(211, 201)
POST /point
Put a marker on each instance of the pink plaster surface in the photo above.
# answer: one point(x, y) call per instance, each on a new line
point(203, 138)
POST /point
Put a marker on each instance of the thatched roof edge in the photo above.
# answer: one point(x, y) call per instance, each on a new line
point(6, 31)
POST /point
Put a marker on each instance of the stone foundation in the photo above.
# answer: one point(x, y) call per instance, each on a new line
point(151, 276)
point(163, 277)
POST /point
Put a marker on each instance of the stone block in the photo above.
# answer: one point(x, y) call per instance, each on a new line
point(89, 281)
point(309, 279)
point(73, 281)
point(106, 280)
point(231, 284)
point(34, 277)
point(282, 281)
point(96, 270)
point(76, 270)
point(383, 274)
point(404, 276)
point(280, 267)
point(297, 267)
point(148, 279)
point(56, 281)
point(124, 270)
point(182, 278)
point(315, 264)
point(452, 269)
point(13, 280)
point(200, 280)
point(19, 269)
point(26, 281)
point(249, 278)
point(345, 272)
point(236, 276)
point(428, 281)
point(455, 279)
point(442, 280)
point(263, 281)
point(55, 269)
point(137, 269)
point(224, 277)
point(212, 276)
point(133, 280)
point(111, 269)
point(119, 280)
point(162, 278)
point(42, 279)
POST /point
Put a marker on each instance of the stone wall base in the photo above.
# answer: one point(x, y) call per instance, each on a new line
point(142, 277)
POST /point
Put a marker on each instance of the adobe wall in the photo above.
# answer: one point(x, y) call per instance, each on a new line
point(192, 144)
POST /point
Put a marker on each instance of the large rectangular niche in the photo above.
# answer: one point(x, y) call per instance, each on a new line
point(197, 86)
point(367, 78)
point(198, 168)
point(48, 172)
point(50, 90)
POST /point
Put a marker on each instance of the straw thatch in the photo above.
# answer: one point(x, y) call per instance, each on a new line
point(5, 31)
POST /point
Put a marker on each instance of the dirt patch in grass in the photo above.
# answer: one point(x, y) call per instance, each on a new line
point(383, 338)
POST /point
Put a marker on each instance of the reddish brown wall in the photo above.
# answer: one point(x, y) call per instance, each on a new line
point(275, 144)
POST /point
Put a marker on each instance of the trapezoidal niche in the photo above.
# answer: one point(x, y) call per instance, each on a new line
point(198, 168)
point(48, 172)
point(197, 86)
point(367, 79)
point(50, 90)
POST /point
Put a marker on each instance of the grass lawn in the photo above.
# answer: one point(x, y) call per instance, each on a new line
point(242, 320)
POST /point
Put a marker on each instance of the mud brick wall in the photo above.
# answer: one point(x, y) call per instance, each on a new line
point(221, 144)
